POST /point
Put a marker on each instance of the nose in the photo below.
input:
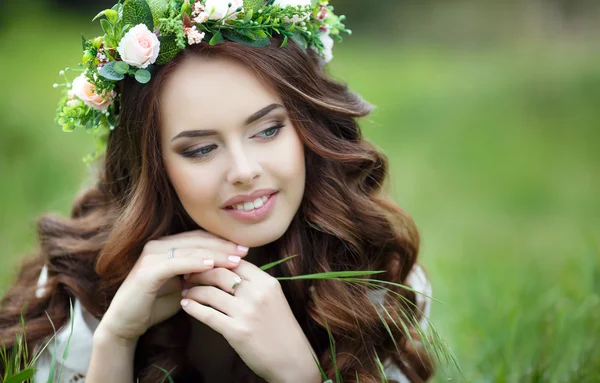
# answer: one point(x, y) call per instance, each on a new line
point(244, 167)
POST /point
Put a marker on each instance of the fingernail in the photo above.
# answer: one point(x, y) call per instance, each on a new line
point(209, 262)
point(242, 248)
point(234, 259)
point(184, 302)
point(184, 292)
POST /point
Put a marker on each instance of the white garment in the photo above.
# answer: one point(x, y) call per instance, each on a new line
point(75, 365)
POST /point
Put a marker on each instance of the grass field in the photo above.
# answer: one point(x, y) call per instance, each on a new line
point(494, 153)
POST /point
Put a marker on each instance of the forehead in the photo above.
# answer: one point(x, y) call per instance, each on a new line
point(211, 93)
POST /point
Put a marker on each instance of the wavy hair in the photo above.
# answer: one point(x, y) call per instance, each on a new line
point(90, 253)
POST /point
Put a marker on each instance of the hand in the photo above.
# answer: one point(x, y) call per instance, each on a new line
point(150, 293)
point(255, 319)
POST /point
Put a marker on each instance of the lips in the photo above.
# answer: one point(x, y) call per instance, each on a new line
point(241, 198)
point(241, 203)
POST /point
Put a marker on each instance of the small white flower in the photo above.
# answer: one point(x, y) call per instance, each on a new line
point(217, 9)
point(194, 36)
point(139, 47)
point(327, 52)
point(201, 18)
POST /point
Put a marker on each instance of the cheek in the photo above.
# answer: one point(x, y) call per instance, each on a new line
point(193, 185)
point(289, 162)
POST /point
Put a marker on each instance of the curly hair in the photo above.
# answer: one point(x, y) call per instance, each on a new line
point(90, 253)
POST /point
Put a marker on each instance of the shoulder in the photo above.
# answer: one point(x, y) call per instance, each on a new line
point(71, 345)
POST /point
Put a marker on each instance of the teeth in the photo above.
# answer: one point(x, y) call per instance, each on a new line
point(259, 202)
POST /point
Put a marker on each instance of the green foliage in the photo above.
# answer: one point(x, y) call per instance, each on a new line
point(108, 72)
point(168, 49)
point(138, 12)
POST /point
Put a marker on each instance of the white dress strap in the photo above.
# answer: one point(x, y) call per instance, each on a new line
point(76, 362)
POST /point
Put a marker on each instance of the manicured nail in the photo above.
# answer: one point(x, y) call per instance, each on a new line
point(184, 292)
point(242, 248)
point(184, 302)
point(234, 259)
point(209, 262)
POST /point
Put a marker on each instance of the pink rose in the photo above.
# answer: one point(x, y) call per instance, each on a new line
point(86, 92)
point(139, 47)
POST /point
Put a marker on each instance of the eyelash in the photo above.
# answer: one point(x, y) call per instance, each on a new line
point(197, 153)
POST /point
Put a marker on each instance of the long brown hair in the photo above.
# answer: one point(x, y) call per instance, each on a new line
point(345, 222)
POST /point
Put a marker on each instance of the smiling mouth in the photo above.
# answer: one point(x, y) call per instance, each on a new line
point(255, 205)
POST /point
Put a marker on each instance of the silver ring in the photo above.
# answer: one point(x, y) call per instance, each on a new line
point(236, 282)
point(171, 253)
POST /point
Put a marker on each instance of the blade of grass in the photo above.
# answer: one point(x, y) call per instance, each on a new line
point(273, 264)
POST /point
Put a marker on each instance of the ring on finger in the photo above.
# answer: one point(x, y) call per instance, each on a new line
point(236, 282)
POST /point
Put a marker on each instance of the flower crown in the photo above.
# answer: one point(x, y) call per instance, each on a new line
point(140, 34)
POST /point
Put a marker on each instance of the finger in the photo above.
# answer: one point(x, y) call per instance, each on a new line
point(213, 297)
point(218, 277)
point(197, 241)
point(214, 319)
point(221, 259)
point(154, 274)
point(250, 272)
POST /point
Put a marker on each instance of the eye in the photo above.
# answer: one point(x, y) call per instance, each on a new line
point(204, 151)
point(271, 132)
point(200, 152)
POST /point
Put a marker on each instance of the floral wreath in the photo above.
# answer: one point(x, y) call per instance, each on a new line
point(140, 34)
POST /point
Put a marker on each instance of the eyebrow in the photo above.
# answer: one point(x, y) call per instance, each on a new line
point(255, 116)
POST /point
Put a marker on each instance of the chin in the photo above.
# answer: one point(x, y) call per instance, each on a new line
point(244, 238)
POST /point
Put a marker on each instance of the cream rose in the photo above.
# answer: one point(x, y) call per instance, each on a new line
point(139, 47)
point(217, 9)
point(327, 41)
point(85, 91)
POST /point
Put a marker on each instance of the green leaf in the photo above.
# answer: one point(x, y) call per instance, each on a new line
point(284, 43)
point(186, 8)
point(247, 33)
point(253, 5)
point(300, 40)
point(21, 376)
point(106, 27)
point(108, 72)
point(138, 12)
point(248, 15)
point(142, 76)
point(112, 16)
point(258, 42)
point(100, 14)
point(217, 38)
point(121, 67)
point(168, 49)
point(260, 33)
point(158, 8)
point(83, 42)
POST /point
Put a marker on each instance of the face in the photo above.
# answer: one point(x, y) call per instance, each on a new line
point(225, 134)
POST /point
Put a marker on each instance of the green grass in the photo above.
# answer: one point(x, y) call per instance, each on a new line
point(493, 152)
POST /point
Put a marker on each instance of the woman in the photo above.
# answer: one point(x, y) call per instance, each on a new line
point(230, 157)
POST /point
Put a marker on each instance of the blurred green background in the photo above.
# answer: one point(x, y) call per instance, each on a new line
point(489, 113)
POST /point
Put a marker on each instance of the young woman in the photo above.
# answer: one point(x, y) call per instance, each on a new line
point(230, 157)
